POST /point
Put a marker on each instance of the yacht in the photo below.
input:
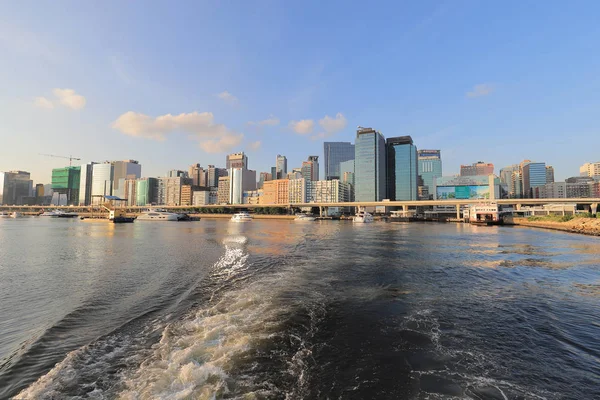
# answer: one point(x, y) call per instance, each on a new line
point(158, 215)
point(305, 217)
point(16, 215)
point(59, 214)
point(241, 217)
point(363, 217)
point(4, 214)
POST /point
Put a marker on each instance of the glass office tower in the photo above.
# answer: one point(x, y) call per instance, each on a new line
point(369, 165)
point(402, 168)
point(335, 153)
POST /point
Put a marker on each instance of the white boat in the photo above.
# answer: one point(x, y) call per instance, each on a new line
point(158, 215)
point(363, 217)
point(59, 214)
point(16, 215)
point(304, 217)
point(4, 214)
point(241, 217)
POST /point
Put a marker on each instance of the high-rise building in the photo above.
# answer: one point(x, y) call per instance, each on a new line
point(280, 167)
point(335, 153)
point(297, 191)
point(169, 190)
point(264, 177)
point(121, 170)
point(65, 183)
point(590, 169)
point(478, 168)
point(146, 191)
point(102, 181)
point(369, 165)
point(402, 169)
point(430, 167)
point(214, 174)
point(85, 184)
point(241, 179)
point(333, 191)
point(177, 173)
point(515, 188)
point(507, 180)
point(276, 192)
point(15, 186)
point(310, 168)
point(534, 176)
point(549, 174)
point(295, 174)
point(198, 175)
point(236, 160)
point(39, 193)
point(223, 190)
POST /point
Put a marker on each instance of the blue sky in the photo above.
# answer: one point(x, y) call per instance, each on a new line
point(175, 83)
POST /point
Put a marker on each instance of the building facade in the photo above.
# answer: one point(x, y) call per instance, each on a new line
point(236, 160)
point(85, 184)
point(297, 191)
point(276, 192)
point(241, 179)
point(310, 168)
point(430, 166)
point(549, 174)
point(123, 170)
point(477, 169)
point(102, 181)
point(369, 165)
point(15, 186)
point(198, 175)
point(590, 169)
point(223, 190)
point(335, 153)
point(146, 191)
point(402, 169)
point(485, 187)
point(332, 191)
point(534, 177)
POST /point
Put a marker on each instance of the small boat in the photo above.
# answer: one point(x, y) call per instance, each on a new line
point(4, 214)
point(158, 215)
point(241, 217)
point(16, 215)
point(305, 217)
point(363, 217)
point(59, 214)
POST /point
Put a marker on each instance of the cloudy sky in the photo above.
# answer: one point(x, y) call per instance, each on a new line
point(175, 83)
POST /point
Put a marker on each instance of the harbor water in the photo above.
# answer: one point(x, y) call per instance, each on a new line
point(287, 310)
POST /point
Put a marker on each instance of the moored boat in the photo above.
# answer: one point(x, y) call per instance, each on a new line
point(363, 217)
point(303, 217)
point(158, 215)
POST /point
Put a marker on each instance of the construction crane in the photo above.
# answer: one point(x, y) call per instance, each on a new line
point(70, 158)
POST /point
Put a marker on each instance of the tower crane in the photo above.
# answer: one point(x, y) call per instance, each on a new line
point(70, 158)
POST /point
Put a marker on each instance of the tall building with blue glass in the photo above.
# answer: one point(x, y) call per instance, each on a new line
point(534, 176)
point(369, 165)
point(335, 153)
point(402, 168)
point(430, 166)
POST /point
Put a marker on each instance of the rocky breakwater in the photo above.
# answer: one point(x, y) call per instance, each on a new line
point(586, 226)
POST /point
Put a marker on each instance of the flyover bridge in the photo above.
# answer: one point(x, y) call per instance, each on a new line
point(590, 203)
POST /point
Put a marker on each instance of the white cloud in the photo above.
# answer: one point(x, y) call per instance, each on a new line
point(69, 98)
point(255, 145)
point(302, 127)
point(271, 121)
point(333, 125)
point(213, 138)
point(228, 97)
point(43, 102)
point(222, 144)
point(482, 89)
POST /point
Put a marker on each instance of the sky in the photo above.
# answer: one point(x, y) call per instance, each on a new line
point(175, 83)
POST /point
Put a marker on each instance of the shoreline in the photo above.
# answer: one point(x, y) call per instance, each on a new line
point(582, 226)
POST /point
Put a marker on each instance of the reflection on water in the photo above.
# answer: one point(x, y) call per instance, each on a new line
point(277, 309)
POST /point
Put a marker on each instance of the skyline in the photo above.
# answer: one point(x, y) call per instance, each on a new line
point(112, 86)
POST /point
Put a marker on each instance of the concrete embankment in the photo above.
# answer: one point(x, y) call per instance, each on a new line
point(586, 226)
point(255, 216)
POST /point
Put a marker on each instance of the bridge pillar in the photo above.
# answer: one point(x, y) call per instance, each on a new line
point(594, 208)
point(320, 211)
point(404, 209)
point(458, 211)
point(518, 207)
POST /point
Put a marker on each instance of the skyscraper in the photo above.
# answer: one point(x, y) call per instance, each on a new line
point(402, 168)
point(122, 169)
point(534, 176)
point(177, 173)
point(590, 169)
point(14, 186)
point(310, 168)
point(478, 168)
point(241, 179)
point(85, 184)
point(335, 153)
point(430, 167)
point(369, 165)
point(102, 181)
point(280, 167)
point(549, 174)
point(236, 160)
point(198, 175)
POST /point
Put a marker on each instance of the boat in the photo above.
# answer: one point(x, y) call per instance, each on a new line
point(59, 214)
point(119, 217)
point(305, 217)
point(158, 215)
point(4, 214)
point(16, 215)
point(484, 214)
point(363, 217)
point(242, 216)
